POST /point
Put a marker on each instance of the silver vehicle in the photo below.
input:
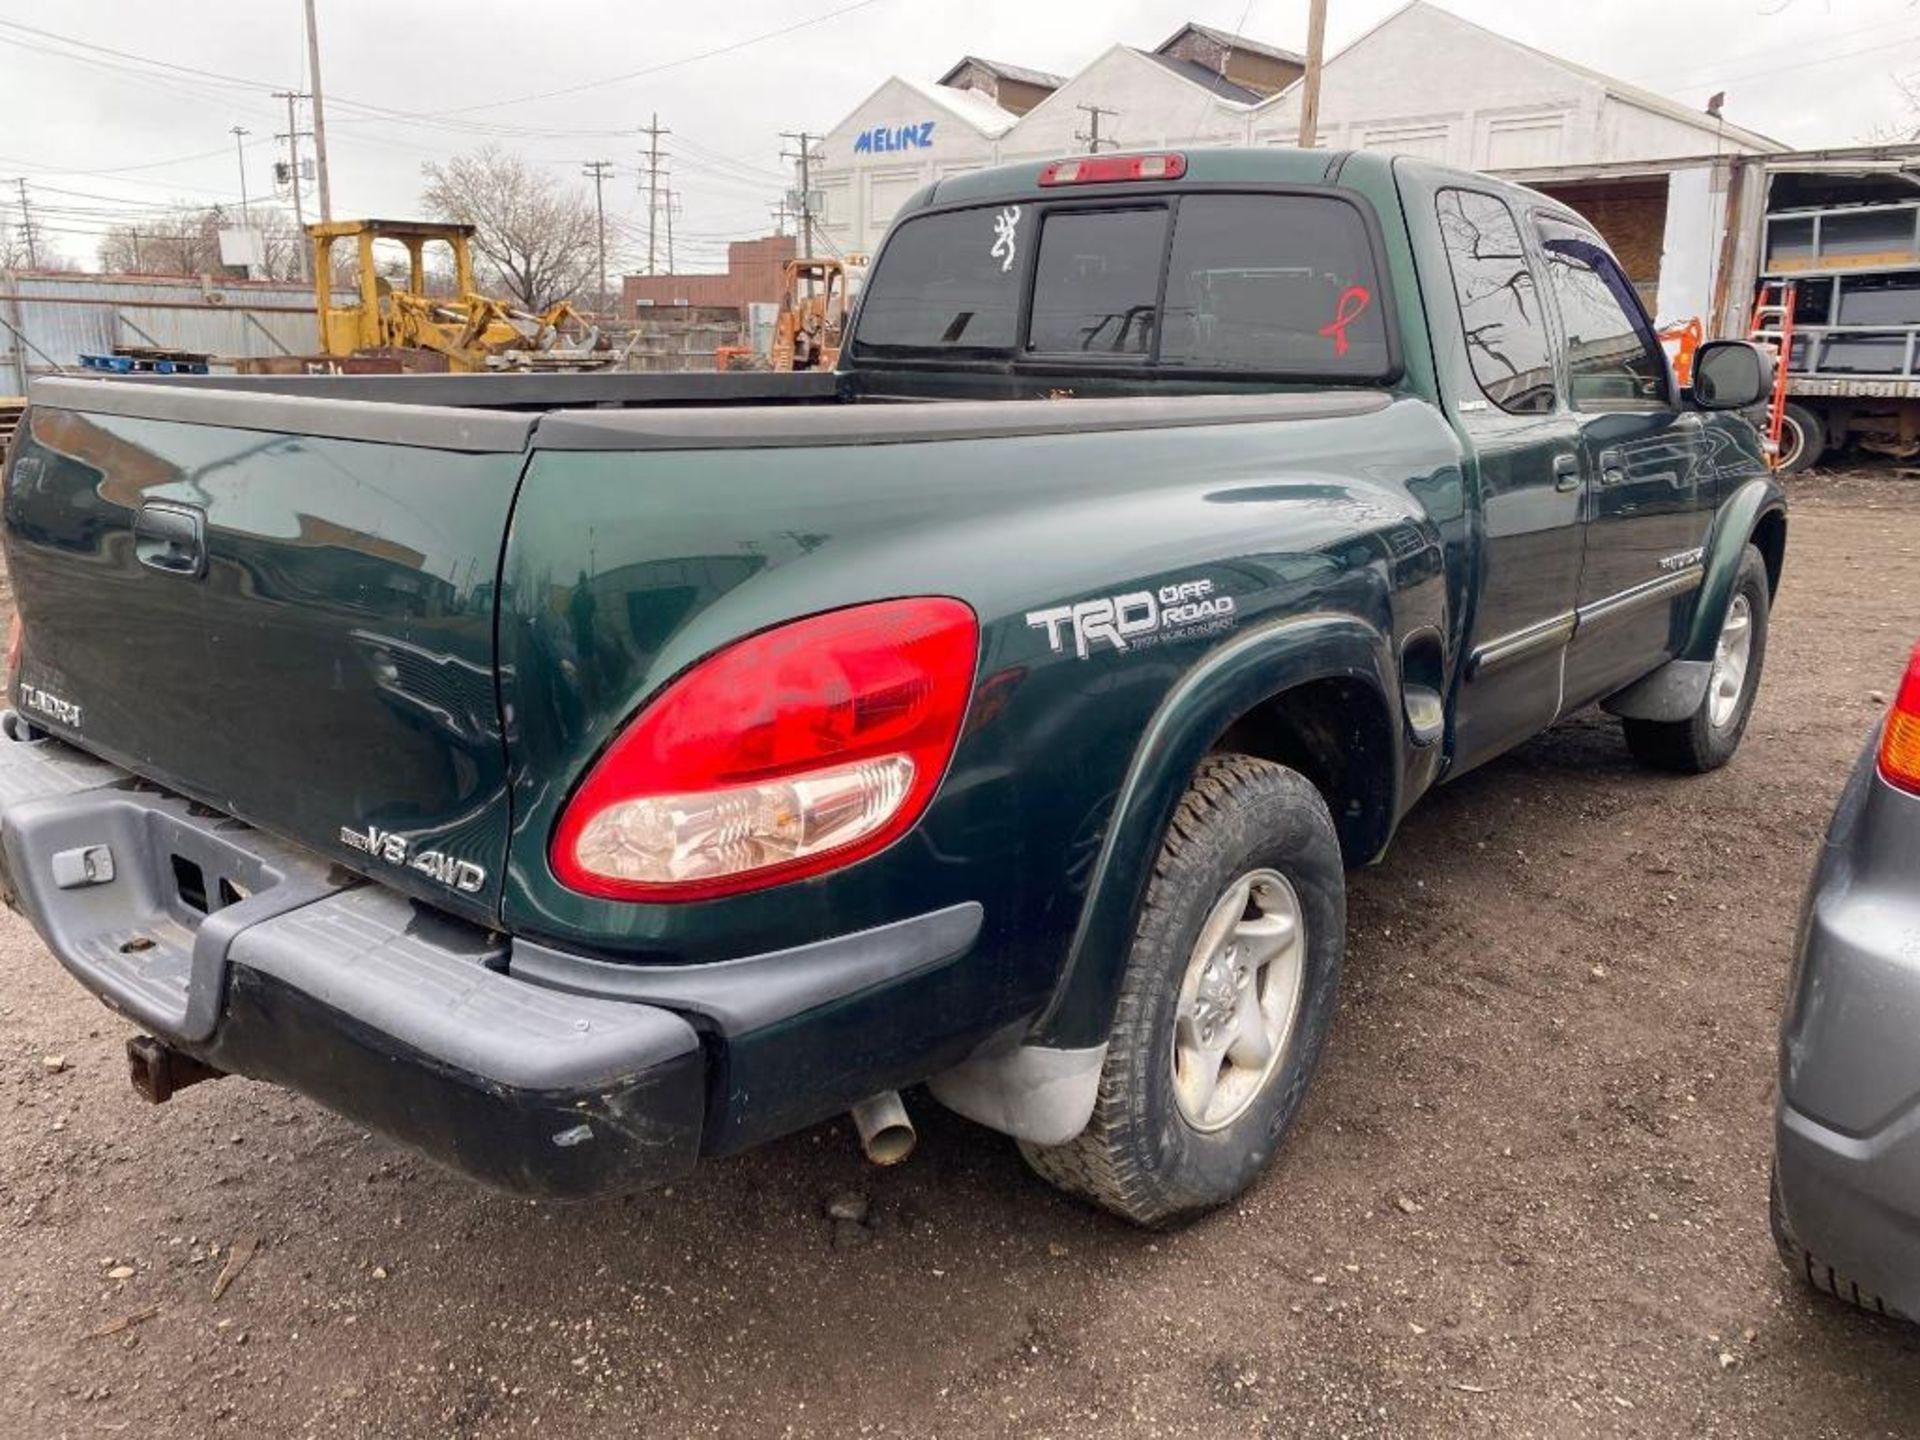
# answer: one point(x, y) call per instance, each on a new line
point(1846, 1185)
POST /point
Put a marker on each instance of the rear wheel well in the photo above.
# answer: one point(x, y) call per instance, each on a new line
point(1770, 538)
point(1337, 733)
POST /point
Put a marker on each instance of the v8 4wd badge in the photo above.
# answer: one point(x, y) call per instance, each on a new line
point(1138, 618)
point(462, 875)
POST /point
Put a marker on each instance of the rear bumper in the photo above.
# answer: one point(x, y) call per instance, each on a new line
point(533, 1070)
point(310, 977)
point(1848, 1132)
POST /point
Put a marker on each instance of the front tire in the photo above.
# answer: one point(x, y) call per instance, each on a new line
point(1706, 739)
point(1235, 965)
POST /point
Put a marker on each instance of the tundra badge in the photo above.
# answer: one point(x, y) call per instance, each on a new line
point(48, 703)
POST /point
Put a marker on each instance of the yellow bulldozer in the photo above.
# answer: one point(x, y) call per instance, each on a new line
point(467, 330)
point(811, 324)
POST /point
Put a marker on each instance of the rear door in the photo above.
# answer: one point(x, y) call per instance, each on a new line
point(1651, 492)
point(294, 628)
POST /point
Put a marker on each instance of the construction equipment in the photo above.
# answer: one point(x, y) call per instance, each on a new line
point(813, 315)
point(814, 304)
point(472, 331)
point(1772, 324)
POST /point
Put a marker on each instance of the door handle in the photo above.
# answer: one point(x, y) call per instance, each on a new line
point(1612, 471)
point(1566, 471)
point(171, 538)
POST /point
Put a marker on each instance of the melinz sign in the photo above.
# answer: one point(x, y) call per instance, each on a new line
point(898, 137)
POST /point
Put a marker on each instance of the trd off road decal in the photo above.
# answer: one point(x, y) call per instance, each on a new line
point(1003, 237)
point(1179, 611)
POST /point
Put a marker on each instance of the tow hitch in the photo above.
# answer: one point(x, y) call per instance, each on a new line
point(158, 1070)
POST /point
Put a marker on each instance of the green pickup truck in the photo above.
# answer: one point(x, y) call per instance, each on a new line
point(576, 776)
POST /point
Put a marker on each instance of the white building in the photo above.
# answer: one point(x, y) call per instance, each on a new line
point(1422, 82)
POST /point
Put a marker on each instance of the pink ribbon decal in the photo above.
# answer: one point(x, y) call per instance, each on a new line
point(1352, 305)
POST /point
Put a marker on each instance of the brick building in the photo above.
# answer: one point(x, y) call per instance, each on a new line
point(753, 275)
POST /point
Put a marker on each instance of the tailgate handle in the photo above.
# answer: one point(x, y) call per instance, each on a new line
point(171, 538)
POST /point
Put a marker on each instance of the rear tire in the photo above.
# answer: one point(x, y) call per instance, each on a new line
point(1706, 739)
point(1803, 439)
point(1250, 844)
point(1810, 1268)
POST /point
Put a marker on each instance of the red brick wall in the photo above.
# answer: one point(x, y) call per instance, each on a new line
point(1631, 217)
point(753, 273)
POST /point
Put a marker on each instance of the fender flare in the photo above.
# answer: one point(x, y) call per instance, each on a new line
point(1740, 516)
point(1674, 691)
point(1258, 666)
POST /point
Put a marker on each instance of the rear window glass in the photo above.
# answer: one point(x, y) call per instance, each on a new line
point(1273, 282)
point(1097, 287)
point(1276, 284)
point(948, 283)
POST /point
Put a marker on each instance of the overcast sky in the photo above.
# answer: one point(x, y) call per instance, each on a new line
point(100, 136)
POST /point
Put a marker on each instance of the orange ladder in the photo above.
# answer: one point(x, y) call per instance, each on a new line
point(1773, 325)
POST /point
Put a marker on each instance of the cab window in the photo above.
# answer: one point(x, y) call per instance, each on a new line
point(1502, 313)
point(1613, 360)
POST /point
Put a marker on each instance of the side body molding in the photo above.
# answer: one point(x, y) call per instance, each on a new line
point(1674, 691)
point(1259, 665)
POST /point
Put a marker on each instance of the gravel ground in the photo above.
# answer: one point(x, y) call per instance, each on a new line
point(1526, 1197)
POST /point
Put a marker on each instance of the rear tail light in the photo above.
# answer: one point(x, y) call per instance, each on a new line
point(1104, 169)
point(1900, 741)
point(792, 752)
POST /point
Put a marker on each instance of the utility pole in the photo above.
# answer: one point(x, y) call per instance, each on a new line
point(240, 132)
point(1310, 89)
point(26, 227)
point(653, 132)
point(781, 214)
point(672, 200)
point(292, 137)
point(805, 156)
point(1091, 136)
point(598, 170)
point(319, 114)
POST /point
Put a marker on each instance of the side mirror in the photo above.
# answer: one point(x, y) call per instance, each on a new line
point(1732, 374)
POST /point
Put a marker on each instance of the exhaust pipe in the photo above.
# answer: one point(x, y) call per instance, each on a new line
point(886, 1134)
point(158, 1070)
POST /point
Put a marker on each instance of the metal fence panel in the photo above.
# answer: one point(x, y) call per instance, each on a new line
point(48, 321)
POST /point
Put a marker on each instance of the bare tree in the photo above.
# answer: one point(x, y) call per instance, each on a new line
point(16, 254)
point(186, 241)
point(534, 237)
point(13, 249)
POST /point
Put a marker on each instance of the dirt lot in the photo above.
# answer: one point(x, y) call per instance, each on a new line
point(1527, 1196)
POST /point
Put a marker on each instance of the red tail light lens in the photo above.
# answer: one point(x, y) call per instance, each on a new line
point(1900, 741)
point(792, 752)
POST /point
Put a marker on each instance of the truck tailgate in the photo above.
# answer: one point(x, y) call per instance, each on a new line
point(281, 608)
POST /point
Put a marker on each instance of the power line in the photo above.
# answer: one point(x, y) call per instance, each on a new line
point(599, 170)
point(717, 51)
point(26, 228)
point(319, 115)
point(240, 132)
point(1091, 137)
point(805, 156)
point(653, 131)
point(292, 137)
